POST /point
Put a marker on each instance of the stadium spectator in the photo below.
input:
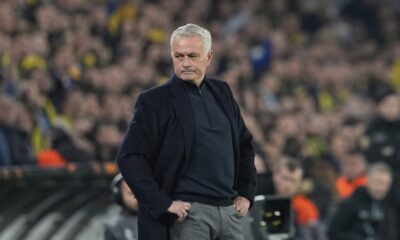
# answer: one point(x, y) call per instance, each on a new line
point(124, 226)
point(381, 140)
point(352, 175)
point(286, 179)
point(15, 128)
point(362, 215)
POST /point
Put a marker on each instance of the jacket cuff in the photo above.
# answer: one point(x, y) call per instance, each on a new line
point(160, 205)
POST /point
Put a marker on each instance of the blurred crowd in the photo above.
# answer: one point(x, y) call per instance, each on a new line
point(317, 80)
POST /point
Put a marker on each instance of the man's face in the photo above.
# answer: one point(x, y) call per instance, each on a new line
point(353, 166)
point(189, 58)
point(287, 182)
point(378, 184)
point(390, 108)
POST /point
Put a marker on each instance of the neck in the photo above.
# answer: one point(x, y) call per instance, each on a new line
point(197, 83)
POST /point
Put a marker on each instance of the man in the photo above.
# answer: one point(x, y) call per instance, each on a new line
point(124, 227)
point(353, 166)
point(381, 140)
point(287, 177)
point(187, 153)
point(361, 216)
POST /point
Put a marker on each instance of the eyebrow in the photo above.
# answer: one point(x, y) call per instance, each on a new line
point(187, 54)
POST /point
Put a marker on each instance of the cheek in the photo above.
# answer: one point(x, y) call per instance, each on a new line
point(202, 68)
point(177, 67)
point(285, 185)
point(376, 188)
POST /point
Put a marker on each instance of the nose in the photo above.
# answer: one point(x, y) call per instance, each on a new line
point(186, 61)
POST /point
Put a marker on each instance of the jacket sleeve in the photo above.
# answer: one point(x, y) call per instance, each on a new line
point(247, 176)
point(134, 159)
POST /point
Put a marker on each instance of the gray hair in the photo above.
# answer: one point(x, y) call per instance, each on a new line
point(190, 30)
point(379, 167)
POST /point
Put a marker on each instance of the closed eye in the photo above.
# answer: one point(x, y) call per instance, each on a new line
point(192, 56)
point(179, 56)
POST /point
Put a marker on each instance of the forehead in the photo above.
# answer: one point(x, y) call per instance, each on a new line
point(187, 44)
point(391, 101)
point(294, 175)
point(379, 177)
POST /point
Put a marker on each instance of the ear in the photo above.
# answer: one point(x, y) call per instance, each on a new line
point(209, 57)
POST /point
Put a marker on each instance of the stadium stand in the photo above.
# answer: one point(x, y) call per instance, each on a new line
point(316, 80)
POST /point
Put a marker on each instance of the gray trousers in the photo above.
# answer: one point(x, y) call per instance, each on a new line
point(206, 222)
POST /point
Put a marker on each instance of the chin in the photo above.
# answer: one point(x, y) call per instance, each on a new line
point(186, 78)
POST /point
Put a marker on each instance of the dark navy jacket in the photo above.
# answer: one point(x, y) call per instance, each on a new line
point(356, 218)
point(157, 146)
